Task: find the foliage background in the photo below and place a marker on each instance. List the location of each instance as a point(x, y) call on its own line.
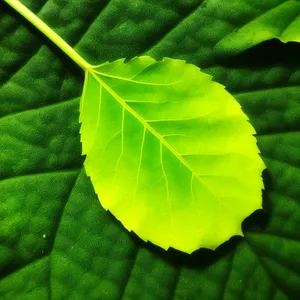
point(56, 242)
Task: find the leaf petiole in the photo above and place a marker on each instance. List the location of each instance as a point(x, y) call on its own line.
point(48, 32)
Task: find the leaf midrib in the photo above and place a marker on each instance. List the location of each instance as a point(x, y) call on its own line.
point(150, 128)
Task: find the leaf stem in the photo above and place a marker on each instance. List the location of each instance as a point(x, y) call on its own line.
point(48, 32)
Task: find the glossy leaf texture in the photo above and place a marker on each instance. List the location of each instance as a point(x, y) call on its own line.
point(170, 152)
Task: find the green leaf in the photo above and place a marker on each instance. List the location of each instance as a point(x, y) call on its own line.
point(262, 21)
point(169, 152)
point(87, 254)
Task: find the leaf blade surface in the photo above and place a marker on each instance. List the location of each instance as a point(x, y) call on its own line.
point(164, 147)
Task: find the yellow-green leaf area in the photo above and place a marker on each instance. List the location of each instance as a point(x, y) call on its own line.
point(170, 153)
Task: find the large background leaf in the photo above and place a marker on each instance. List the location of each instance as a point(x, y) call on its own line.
point(85, 253)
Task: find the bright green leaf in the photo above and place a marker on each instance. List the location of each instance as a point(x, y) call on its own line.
point(169, 152)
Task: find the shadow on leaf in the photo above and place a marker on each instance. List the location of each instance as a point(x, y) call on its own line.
point(260, 218)
point(264, 55)
point(203, 257)
point(199, 259)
